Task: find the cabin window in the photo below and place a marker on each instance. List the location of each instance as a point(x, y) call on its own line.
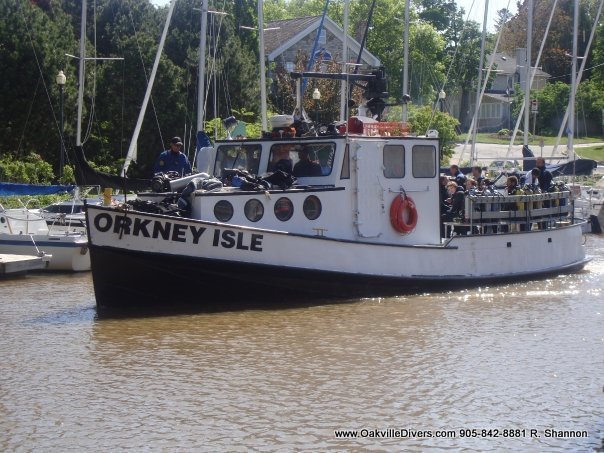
point(318, 158)
point(240, 157)
point(394, 161)
point(223, 211)
point(423, 160)
point(284, 209)
point(346, 164)
point(253, 209)
point(312, 207)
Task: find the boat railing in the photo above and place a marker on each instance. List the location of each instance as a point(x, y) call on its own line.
point(548, 209)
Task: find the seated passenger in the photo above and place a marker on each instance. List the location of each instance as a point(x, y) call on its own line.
point(455, 206)
point(305, 166)
point(280, 159)
point(457, 175)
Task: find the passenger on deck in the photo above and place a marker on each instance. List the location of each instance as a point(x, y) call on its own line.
point(305, 166)
point(442, 188)
point(513, 188)
point(281, 159)
point(457, 175)
point(471, 185)
point(545, 177)
point(532, 179)
point(477, 174)
point(173, 160)
point(456, 204)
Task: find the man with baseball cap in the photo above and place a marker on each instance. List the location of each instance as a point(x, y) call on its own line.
point(173, 160)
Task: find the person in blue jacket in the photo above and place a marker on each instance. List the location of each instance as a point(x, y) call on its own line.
point(173, 160)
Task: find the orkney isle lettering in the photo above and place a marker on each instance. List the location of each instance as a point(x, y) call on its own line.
point(177, 232)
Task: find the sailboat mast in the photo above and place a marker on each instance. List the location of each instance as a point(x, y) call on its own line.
point(344, 90)
point(133, 143)
point(202, 66)
point(527, 87)
point(406, 61)
point(479, 83)
point(81, 74)
point(262, 65)
point(571, 113)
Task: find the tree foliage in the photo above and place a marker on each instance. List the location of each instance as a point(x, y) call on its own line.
point(37, 36)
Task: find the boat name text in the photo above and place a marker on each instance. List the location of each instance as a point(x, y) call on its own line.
point(170, 231)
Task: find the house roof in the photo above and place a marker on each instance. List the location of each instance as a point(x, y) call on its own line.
point(291, 31)
point(508, 65)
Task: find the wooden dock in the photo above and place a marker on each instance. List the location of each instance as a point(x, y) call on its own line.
point(18, 264)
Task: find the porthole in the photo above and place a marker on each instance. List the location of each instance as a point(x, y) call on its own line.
point(254, 210)
point(284, 209)
point(223, 211)
point(312, 207)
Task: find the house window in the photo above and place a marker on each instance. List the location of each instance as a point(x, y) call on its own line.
point(490, 111)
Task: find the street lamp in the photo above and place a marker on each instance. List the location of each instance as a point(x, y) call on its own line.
point(316, 95)
point(61, 79)
point(441, 98)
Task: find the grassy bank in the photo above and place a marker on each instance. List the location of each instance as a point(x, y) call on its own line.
point(592, 152)
point(533, 140)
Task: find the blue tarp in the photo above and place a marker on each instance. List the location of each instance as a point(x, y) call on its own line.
point(10, 188)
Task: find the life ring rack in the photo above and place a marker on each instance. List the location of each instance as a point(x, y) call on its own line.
point(403, 214)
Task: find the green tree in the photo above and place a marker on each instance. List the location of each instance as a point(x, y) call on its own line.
point(32, 46)
point(423, 118)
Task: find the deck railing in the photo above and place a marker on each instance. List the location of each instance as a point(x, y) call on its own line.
point(547, 210)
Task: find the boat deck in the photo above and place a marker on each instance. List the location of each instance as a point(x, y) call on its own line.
point(17, 264)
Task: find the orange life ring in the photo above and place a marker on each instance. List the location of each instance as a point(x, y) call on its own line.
point(403, 214)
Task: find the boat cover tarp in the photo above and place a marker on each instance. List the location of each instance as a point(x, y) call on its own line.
point(87, 176)
point(577, 167)
point(8, 189)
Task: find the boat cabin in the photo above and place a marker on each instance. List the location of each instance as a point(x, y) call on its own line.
point(345, 187)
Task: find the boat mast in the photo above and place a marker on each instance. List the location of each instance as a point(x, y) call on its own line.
point(571, 113)
point(527, 87)
point(132, 148)
point(202, 66)
point(344, 90)
point(406, 61)
point(262, 64)
point(81, 74)
point(479, 83)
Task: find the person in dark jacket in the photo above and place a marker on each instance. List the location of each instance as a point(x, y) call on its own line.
point(173, 160)
point(305, 166)
point(545, 177)
point(456, 205)
point(457, 175)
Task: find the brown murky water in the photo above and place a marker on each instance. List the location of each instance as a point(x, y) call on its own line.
point(527, 356)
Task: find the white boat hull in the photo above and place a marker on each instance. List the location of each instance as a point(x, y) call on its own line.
point(68, 252)
point(156, 259)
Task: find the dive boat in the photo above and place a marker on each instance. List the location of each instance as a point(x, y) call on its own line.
point(24, 232)
point(351, 210)
point(362, 220)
